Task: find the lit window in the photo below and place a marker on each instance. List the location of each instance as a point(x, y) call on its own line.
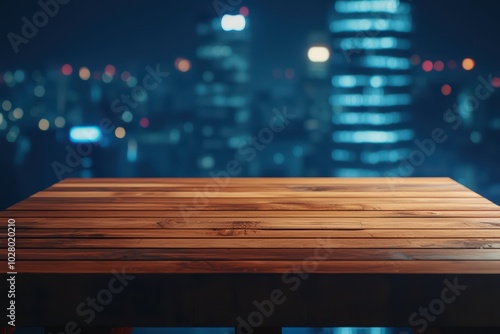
point(233, 22)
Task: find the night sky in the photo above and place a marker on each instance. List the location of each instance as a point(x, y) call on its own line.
point(96, 32)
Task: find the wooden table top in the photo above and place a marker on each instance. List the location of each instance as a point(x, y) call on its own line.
point(256, 225)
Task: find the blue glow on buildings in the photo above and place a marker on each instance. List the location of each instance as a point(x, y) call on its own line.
point(132, 150)
point(373, 136)
point(85, 134)
point(372, 24)
point(388, 6)
point(365, 118)
point(374, 43)
point(371, 95)
point(361, 100)
point(392, 63)
point(374, 81)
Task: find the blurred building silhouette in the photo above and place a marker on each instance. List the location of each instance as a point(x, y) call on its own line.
point(318, 112)
point(371, 86)
point(223, 96)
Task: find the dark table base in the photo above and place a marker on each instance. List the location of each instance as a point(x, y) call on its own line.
point(257, 301)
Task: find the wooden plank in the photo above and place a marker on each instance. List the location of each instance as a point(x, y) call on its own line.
point(423, 225)
point(328, 241)
point(208, 190)
point(265, 180)
point(89, 216)
point(258, 223)
point(256, 200)
point(214, 187)
point(276, 267)
point(252, 183)
point(353, 206)
point(254, 194)
point(269, 254)
point(236, 204)
point(229, 233)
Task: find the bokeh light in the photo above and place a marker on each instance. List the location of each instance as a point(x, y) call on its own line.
point(43, 124)
point(233, 22)
point(468, 64)
point(476, 137)
point(19, 76)
point(106, 78)
point(39, 91)
point(415, 60)
point(131, 81)
point(427, 66)
point(144, 122)
point(8, 77)
point(84, 73)
point(439, 66)
point(318, 54)
point(446, 90)
point(12, 134)
point(182, 64)
point(495, 82)
point(60, 122)
point(120, 132)
point(244, 11)
point(110, 70)
point(85, 134)
point(18, 113)
point(67, 69)
point(6, 105)
point(127, 116)
point(125, 75)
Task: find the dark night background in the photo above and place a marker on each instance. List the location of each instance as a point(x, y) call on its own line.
point(132, 35)
point(170, 134)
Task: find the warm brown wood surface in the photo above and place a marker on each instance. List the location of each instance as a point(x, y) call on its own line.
point(265, 225)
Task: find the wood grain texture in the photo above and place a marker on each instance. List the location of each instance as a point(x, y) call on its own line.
point(256, 225)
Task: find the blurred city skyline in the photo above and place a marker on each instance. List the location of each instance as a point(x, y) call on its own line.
point(223, 87)
point(97, 33)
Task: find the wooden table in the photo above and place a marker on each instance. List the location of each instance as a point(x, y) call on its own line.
point(383, 246)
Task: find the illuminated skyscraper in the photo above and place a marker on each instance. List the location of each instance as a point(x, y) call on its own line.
point(371, 86)
point(222, 93)
point(317, 89)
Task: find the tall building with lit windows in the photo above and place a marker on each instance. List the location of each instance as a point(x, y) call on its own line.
point(371, 80)
point(222, 92)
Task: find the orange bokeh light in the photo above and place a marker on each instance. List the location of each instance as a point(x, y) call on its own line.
point(182, 64)
point(84, 73)
point(468, 64)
